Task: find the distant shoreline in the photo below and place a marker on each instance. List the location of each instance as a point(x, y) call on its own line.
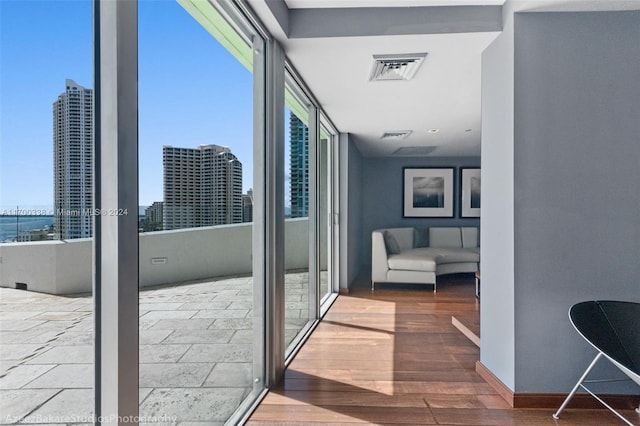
point(27, 215)
point(12, 226)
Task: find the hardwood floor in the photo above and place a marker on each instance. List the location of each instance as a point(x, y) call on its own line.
point(393, 357)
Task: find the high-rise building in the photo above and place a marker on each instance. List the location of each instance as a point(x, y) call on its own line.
point(153, 213)
point(247, 206)
point(152, 218)
point(299, 162)
point(202, 187)
point(73, 161)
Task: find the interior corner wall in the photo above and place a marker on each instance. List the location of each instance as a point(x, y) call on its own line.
point(356, 186)
point(350, 164)
point(497, 321)
point(382, 192)
point(577, 181)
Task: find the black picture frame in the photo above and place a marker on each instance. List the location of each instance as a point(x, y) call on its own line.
point(428, 192)
point(470, 192)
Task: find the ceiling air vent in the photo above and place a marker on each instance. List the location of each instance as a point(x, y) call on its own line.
point(395, 135)
point(414, 151)
point(396, 67)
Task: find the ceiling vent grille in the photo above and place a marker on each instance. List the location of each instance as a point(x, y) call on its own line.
point(396, 67)
point(395, 135)
point(414, 151)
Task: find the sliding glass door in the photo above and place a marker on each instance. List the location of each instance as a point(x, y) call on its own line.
point(47, 216)
point(297, 277)
point(198, 356)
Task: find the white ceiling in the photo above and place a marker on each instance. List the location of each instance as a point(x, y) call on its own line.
point(317, 4)
point(444, 94)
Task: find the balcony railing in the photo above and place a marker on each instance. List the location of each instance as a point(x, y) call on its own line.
point(166, 257)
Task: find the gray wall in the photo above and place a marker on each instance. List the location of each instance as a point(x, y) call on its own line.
point(382, 196)
point(350, 208)
point(355, 187)
point(577, 182)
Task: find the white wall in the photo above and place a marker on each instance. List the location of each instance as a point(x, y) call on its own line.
point(65, 267)
point(56, 267)
point(497, 326)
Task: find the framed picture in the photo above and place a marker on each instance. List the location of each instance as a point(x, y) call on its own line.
point(469, 192)
point(428, 192)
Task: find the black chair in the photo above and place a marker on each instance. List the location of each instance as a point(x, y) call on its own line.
point(613, 329)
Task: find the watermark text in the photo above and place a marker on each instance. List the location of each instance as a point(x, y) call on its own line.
point(64, 212)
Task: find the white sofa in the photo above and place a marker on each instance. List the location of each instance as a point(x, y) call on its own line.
point(398, 255)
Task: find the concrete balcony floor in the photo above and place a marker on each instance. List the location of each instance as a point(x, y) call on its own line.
point(196, 352)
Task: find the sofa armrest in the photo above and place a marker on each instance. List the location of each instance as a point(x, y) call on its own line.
point(379, 264)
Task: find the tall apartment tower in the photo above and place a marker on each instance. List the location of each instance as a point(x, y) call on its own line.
point(202, 187)
point(247, 206)
point(299, 161)
point(73, 161)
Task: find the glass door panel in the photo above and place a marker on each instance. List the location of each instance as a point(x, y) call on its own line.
point(296, 217)
point(46, 181)
point(196, 299)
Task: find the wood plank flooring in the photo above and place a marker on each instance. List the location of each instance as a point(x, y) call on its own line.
point(393, 357)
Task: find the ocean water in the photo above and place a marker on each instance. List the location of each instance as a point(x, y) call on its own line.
point(25, 224)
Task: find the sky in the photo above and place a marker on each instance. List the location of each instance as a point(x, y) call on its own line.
point(191, 91)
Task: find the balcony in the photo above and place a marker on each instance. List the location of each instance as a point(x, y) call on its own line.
point(166, 257)
point(195, 324)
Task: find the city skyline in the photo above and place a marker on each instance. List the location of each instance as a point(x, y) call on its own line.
point(214, 108)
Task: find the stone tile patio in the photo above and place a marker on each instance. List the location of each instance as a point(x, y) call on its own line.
point(196, 352)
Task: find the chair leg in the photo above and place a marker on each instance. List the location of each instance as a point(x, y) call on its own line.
point(373, 286)
point(601, 401)
point(577, 386)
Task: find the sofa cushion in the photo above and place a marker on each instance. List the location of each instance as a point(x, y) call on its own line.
point(474, 250)
point(457, 256)
point(391, 243)
point(419, 259)
point(469, 237)
point(445, 237)
point(404, 237)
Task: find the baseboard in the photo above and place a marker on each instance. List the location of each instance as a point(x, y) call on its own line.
point(502, 389)
point(343, 291)
point(553, 400)
point(580, 400)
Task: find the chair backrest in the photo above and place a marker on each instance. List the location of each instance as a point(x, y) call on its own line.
point(613, 328)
